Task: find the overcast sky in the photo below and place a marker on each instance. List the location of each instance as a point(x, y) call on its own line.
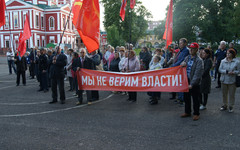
point(156, 7)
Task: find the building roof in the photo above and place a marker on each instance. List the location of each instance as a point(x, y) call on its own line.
point(41, 6)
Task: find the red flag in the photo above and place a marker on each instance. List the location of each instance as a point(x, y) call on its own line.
point(2, 13)
point(88, 24)
point(26, 30)
point(132, 3)
point(76, 7)
point(21, 45)
point(123, 9)
point(169, 25)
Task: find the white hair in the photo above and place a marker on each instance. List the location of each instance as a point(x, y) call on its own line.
point(223, 42)
point(83, 49)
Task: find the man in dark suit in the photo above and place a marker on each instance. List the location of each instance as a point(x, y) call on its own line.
point(58, 63)
point(86, 63)
point(21, 64)
point(43, 66)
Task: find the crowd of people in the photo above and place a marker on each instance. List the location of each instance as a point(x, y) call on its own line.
point(51, 67)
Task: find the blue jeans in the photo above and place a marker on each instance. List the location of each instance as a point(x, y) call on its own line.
point(181, 96)
point(10, 66)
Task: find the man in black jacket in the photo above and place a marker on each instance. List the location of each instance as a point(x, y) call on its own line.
point(58, 64)
point(96, 62)
point(86, 63)
point(43, 66)
point(21, 64)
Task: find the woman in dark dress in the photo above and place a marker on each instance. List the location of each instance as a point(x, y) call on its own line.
point(205, 86)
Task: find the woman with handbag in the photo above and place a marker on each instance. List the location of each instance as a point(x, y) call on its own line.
point(229, 68)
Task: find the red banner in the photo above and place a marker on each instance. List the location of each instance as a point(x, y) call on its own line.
point(165, 80)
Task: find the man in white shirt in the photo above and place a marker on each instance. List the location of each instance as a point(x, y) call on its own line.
point(10, 57)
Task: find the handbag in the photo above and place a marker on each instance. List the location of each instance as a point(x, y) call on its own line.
point(238, 80)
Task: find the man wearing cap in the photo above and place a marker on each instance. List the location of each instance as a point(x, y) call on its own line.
point(194, 66)
point(218, 57)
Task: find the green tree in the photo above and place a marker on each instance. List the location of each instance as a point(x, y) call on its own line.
point(209, 20)
point(137, 18)
point(113, 36)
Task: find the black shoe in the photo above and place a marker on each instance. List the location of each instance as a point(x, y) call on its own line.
point(62, 102)
point(128, 99)
point(132, 101)
point(95, 99)
point(154, 102)
point(17, 85)
point(40, 90)
point(52, 102)
point(45, 91)
point(218, 86)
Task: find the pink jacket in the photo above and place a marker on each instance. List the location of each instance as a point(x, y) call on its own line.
point(134, 64)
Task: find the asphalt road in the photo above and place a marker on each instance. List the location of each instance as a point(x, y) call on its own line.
point(28, 122)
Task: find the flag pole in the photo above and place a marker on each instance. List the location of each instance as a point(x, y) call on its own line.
point(65, 27)
point(130, 34)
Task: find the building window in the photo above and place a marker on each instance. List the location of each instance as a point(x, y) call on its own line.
point(38, 43)
point(64, 22)
point(24, 17)
point(69, 25)
point(7, 44)
point(7, 22)
point(52, 41)
point(37, 21)
point(51, 23)
point(42, 22)
point(27, 43)
point(15, 20)
point(43, 43)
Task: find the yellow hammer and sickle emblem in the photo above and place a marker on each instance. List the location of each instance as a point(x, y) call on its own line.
point(78, 3)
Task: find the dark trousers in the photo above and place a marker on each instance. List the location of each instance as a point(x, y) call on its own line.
point(75, 84)
point(95, 95)
point(23, 73)
point(10, 66)
point(32, 70)
point(80, 96)
point(154, 94)
point(60, 83)
point(71, 82)
point(218, 74)
point(132, 96)
point(174, 94)
point(43, 80)
point(204, 97)
point(194, 93)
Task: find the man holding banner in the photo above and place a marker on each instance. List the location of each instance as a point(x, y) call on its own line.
point(194, 66)
point(86, 63)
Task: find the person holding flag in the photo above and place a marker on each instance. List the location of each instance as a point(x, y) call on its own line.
point(88, 23)
point(21, 64)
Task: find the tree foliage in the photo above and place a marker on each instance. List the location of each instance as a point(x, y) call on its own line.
point(137, 18)
point(205, 20)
